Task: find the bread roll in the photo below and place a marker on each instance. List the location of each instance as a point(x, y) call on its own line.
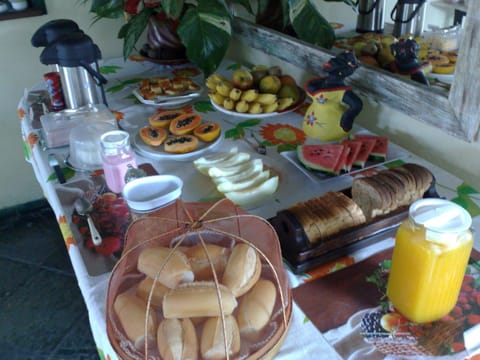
point(212, 343)
point(143, 291)
point(201, 265)
point(197, 299)
point(243, 269)
point(176, 270)
point(177, 340)
point(256, 307)
point(131, 312)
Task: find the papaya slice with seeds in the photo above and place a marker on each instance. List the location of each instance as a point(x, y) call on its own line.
point(163, 118)
point(181, 144)
point(153, 136)
point(208, 131)
point(185, 124)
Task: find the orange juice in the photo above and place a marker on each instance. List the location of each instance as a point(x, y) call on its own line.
point(431, 253)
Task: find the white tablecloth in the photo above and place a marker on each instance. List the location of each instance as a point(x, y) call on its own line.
point(303, 341)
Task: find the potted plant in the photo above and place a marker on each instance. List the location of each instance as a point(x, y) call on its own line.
point(203, 27)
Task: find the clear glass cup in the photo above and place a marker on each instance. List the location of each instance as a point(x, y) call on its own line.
point(117, 155)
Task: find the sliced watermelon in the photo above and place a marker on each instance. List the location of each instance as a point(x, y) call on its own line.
point(354, 146)
point(340, 166)
point(320, 157)
point(365, 150)
point(379, 151)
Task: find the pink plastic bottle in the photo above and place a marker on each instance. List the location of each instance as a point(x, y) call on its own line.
point(117, 154)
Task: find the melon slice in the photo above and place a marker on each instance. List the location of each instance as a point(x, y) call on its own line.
point(341, 161)
point(379, 151)
point(322, 157)
point(233, 160)
point(255, 179)
point(234, 169)
point(354, 146)
point(365, 150)
point(254, 195)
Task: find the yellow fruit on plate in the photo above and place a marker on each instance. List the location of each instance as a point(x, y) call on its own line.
point(444, 69)
point(216, 97)
point(230, 161)
point(271, 108)
point(255, 108)
point(235, 94)
point(255, 194)
point(224, 88)
point(249, 95)
point(266, 99)
point(284, 103)
point(228, 103)
point(241, 106)
point(270, 84)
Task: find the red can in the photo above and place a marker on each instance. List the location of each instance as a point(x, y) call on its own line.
point(54, 87)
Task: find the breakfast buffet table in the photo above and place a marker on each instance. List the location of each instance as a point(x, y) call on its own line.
point(304, 340)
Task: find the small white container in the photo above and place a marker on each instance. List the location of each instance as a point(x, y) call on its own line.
point(149, 193)
point(19, 5)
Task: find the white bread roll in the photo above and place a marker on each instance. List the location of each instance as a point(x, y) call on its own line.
point(243, 269)
point(131, 312)
point(197, 299)
point(212, 344)
point(143, 291)
point(200, 263)
point(256, 308)
point(177, 340)
point(175, 271)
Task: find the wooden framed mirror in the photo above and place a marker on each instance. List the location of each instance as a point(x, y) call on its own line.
point(456, 112)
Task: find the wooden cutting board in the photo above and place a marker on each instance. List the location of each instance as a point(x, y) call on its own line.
point(330, 300)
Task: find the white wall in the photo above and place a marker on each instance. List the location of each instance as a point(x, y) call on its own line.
point(21, 68)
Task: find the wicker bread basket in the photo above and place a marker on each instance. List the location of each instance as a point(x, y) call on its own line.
point(182, 225)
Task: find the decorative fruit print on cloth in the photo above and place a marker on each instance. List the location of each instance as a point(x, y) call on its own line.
point(189, 72)
point(111, 216)
point(392, 334)
point(282, 134)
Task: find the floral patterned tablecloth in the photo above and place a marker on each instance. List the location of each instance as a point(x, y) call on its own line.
point(279, 133)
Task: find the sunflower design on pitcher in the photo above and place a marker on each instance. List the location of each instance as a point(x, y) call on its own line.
point(334, 104)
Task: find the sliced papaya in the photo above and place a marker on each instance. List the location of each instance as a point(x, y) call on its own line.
point(181, 144)
point(208, 131)
point(184, 123)
point(163, 118)
point(153, 136)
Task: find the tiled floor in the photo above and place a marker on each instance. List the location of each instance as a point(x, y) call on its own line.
point(42, 312)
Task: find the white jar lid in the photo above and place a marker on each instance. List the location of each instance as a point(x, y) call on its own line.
point(443, 219)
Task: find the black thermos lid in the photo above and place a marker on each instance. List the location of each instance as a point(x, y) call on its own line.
point(52, 31)
point(71, 50)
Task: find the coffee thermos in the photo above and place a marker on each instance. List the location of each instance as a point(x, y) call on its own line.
point(371, 16)
point(75, 57)
point(408, 17)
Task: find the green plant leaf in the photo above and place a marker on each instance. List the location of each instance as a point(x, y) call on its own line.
point(465, 189)
point(249, 123)
point(206, 31)
point(232, 133)
point(468, 204)
point(351, 3)
point(131, 31)
point(310, 25)
point(111, 9)
point(245, 4)
point(172, 8)
point(204, 106)
point(286, 147)
point(109, 69)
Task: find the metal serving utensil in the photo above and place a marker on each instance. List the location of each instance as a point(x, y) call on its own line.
point(84, 208)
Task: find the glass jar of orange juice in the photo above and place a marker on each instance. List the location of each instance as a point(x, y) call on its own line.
point(432, 248)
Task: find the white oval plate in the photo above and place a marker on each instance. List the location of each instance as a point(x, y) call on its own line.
point(151, 192)
point(167, 101)
point(158, 152)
